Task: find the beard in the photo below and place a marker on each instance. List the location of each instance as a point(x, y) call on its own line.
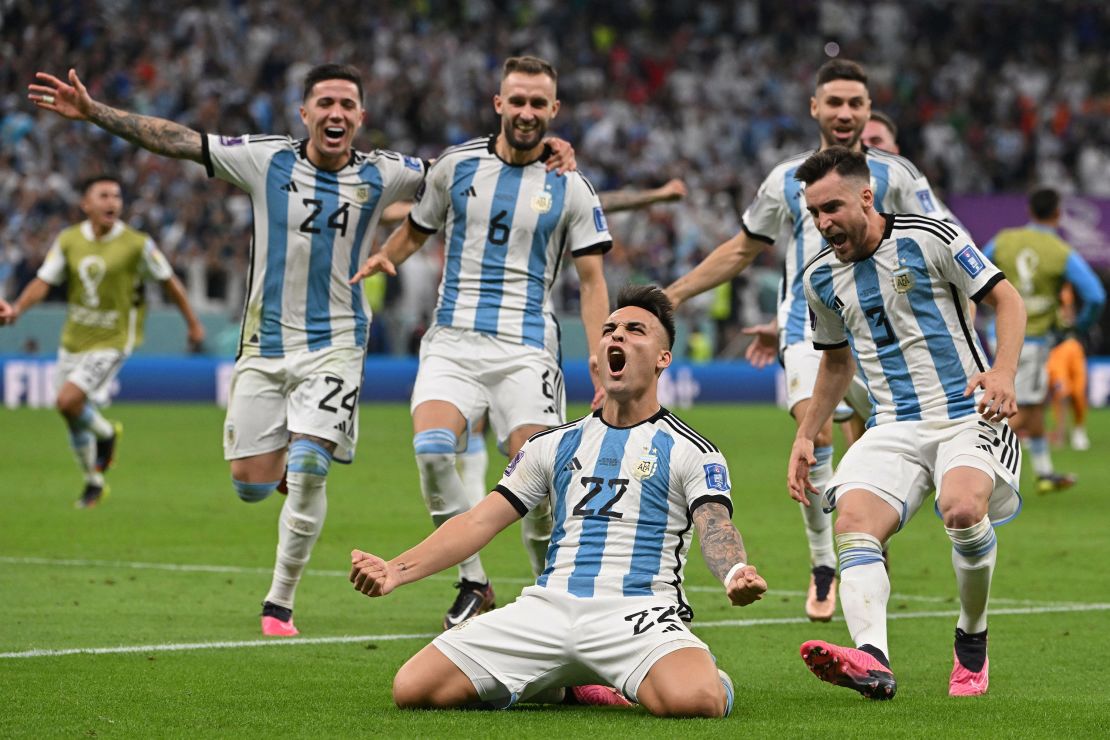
point(833, 140)
point(517, 140)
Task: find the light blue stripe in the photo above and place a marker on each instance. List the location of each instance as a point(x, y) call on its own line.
point(532, 329)
point(279, 173)
point(897, 373)
point(647, 550)
point(306, 456)
point(977, 549)
point(318, 300)
point(796, 321)
point(373, 178)
point(449, 296)
point(938, 335)
point(568, 445)
point(822, 283)
point(435, 442)
point(880, 173)
point(595, 528)
point(846, 564)
point(491, 289)
point(253, 492)
point(80, 438)
point(822, 455)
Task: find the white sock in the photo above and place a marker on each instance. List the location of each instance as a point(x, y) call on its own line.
point(864, 589)
point(443, 489)
point(91, 419)
point(535, 532)
point(84, 450)
point(974, 553)
point(302, 518)
point(1039, 456)
point(819, 529)
point(472, 466)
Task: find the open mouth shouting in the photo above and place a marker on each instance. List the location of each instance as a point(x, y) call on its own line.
point(616, 358)
point(334, 135)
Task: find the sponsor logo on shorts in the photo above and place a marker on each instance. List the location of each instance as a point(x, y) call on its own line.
point(513, 463)
point(229, 434)
point(412, 163)
point(232, 140)
point(716, 477)
point(970, 261)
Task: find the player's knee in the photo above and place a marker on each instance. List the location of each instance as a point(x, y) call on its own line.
point(961, 514)
point(253, 492)
point(69, 405)
point(435, 446)
point(692, 701)
point(409, 692)
point(308, 458)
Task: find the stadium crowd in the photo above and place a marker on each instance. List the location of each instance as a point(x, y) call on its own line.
point(989, 97)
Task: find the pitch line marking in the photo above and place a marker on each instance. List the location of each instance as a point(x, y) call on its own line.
point(294, 641)
point(244, 570)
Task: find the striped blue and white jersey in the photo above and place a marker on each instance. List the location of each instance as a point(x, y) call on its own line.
point(506, 228)
point(903, 310)
point(312, 231)
point(623, 502)
point(778, 216)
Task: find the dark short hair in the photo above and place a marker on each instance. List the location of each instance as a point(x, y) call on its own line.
point(88, 182)
point(842, 160)
point(883, 118)
point(1044, 203)
point(529, 66)
point(652, 299)
point(841, 69)
point(323, 72)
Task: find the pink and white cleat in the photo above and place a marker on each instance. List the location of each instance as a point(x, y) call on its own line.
point(599, 696)
point(965, 683)
point(277, 621)
point(849, 667)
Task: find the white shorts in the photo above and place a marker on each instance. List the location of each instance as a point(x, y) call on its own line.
point(93, 372)
point(473, 372)
point(306, 392)
point(1031, 381)
point(800, 363)
point(903, 461)
point(550, 638)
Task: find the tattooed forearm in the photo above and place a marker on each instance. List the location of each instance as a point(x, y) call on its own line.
point(721, 545)
point(156, 134)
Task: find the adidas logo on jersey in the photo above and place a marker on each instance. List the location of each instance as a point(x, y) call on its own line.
point(573, 465)
point(470, 192)
point(289, 187)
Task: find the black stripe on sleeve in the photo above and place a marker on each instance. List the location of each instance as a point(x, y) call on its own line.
point(724, 501)
point(982, 292)
point(206, 156)
point(754, 235)
point(838, 345)
point(512, 499)
point(599, 248)
point(419, 227)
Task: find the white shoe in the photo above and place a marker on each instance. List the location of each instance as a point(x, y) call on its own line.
point(1079, 439)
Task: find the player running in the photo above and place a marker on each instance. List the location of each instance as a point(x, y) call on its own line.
point(494, 343)
point(841, 105)
point(626, 482)
point(894, 288)
point(103, 263)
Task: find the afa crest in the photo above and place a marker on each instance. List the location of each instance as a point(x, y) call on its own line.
point(362, 193)
point(903, 280)
point(541, 202)
point(647, 466)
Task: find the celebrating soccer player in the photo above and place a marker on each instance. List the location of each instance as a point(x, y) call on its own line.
point(103, 263)
point(895, 288)
point(841, 106)
point(494, 343)
point(625, 482)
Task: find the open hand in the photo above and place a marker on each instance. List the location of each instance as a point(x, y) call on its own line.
point(71, 101)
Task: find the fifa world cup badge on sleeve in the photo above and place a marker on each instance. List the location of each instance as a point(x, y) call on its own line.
point(599, 219)
point(969, 260)
point(716, 477)
point(513, 463)
point(903, 280)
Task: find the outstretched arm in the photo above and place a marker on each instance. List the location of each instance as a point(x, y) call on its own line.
point(176, 292)
point(35, 291)
point(724, 263)
point(722, 548)
point(155, 134)
point(400, 245)
point(457, 539)
point(626, 200)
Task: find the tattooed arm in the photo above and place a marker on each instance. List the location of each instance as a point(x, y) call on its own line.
point(722, 548)
point(156, 134)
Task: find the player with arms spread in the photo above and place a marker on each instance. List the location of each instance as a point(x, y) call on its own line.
point(103, 263)
point(626, 482)
point(841, 105)
point(494, 343)
point(294, 393)
point(892, 291)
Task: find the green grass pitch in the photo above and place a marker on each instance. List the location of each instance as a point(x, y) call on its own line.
point(173, 564)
